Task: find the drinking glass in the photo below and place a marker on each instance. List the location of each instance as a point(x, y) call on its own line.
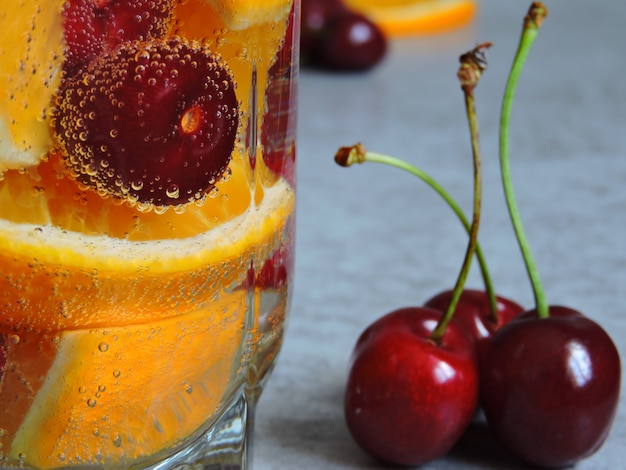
point(147, 195)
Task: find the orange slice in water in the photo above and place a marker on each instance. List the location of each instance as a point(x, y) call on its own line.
point(55, 279)
point(31, 55)
point(239, 14)
point(114, 395)
point(414, 17)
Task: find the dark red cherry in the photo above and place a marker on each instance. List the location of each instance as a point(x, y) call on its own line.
point(315, 18)
point(152, 122)
point(474, 313)
point(352, 42)
point(550, 387)
point(408, 399)
point(278, 131)
point(93, 26)
point(278, 269)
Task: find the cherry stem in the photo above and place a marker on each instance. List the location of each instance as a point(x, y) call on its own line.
point(347, 156)
point(532, 22)
point(473, 64)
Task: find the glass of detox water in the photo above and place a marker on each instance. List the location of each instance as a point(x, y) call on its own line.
point(147, 195)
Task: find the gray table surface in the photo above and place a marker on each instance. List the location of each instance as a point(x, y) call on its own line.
point(371, 238)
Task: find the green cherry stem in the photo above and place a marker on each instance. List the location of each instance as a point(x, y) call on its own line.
point(473, 64)
point(532, 22)
point(347, 156)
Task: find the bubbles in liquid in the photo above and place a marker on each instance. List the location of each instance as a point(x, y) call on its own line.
point(172, 191)
point(103, 347)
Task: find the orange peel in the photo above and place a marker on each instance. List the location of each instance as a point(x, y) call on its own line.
point(416, 17)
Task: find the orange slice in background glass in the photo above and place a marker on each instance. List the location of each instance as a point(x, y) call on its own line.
point(416, 17)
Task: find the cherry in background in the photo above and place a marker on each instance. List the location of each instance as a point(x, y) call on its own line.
point(315, 18)
point(408, 399)
point(337, 38)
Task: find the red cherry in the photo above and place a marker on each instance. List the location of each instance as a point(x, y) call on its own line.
point(93, 26)
point(153, 122)
point(550, 387)
point(408, 399)
point(474, 313)
point(352, 42)
point(278, 269)
point(278, 130)
point(315, 18)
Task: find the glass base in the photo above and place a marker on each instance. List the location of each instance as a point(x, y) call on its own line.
point(226, 446)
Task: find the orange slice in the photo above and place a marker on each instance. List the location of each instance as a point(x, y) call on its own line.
point(413, 17)
point(54, 279)
point(31, 55)
point(113, 396)
point(238, 14)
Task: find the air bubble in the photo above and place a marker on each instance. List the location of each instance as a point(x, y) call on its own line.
point(91, 402)
point(172, 191)
point(103, 347)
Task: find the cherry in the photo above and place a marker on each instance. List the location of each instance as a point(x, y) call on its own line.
point(152, 122)
point(473, 311)
point(278, 269)
point(315, 18)
point(352, 42)
point(412, 389)
point(550, 378)
point(408, 399)
point(93, 26)
point(279, 122)
point(550, 386)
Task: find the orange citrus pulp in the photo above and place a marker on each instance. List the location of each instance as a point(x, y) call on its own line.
point(414, 17)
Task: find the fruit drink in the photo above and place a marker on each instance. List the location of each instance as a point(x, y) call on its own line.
point(147, 202)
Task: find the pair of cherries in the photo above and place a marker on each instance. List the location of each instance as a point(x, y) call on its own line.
point(549, 387)
point(335, 37)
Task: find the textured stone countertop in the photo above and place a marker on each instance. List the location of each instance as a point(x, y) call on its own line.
point(372, 238)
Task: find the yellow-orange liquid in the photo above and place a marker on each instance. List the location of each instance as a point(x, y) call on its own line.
point(125, 330)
